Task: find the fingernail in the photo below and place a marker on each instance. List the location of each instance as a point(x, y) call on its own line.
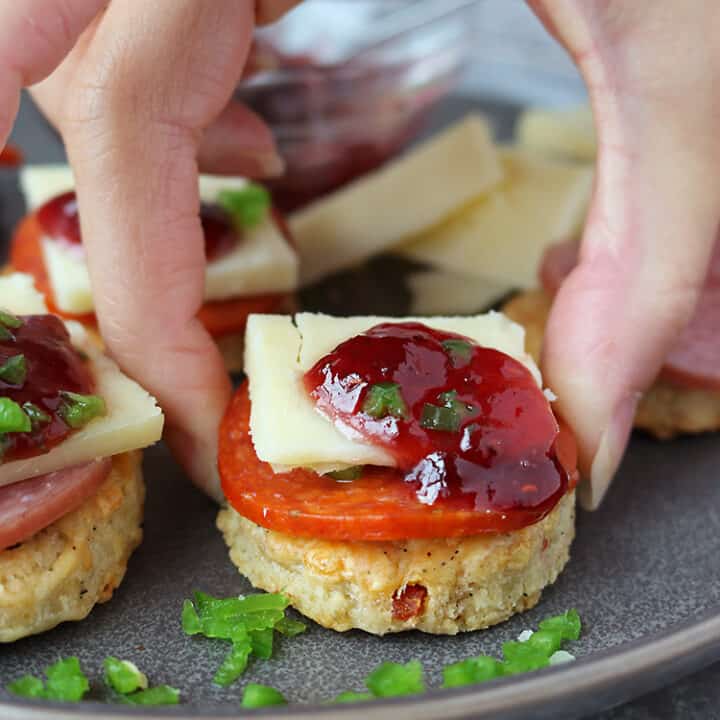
point(198, 460)
point(270, 164)
point(609, 453)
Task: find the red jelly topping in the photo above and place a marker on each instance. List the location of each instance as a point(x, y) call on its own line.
point(220, 233)
point(59, 219)
point(53, 365)
point(473, 428)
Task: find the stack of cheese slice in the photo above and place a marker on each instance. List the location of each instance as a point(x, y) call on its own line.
point(286, 428)
point(133, 419)
point(478, 215)
point(381, 210)
point(503, 235)
point(261, 263)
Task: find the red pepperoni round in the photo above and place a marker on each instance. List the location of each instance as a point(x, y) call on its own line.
point(377, 506)
point(30, 506)
point(227, 317)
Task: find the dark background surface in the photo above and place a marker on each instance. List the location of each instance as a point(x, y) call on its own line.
point(648, 559)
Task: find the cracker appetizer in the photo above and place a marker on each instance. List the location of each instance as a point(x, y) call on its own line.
point(394, 474)
point(685, 397)
point(251, 264)
point(72, 427)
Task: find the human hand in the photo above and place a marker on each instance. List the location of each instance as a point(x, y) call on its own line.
point(139, 91)
point(652, 72)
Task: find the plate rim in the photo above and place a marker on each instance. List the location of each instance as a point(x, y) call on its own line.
point(647, 661)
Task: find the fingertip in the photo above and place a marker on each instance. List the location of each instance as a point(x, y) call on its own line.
point(198, 456)
point(583, 363)
point(610, 450)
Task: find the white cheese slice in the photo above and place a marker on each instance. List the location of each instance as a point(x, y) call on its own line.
point(568, 133)
point(18, 295)
point(287, 430)
point(133, 419)
point(262, 263)
point(40, 183)
point(403, 198)
point(436, 292)
point(504, 235)
point(68, 274)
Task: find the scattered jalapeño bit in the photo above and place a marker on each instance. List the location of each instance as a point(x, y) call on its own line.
point(348, 474)
point(14, 370)
point(467, 425)
point(248, 205)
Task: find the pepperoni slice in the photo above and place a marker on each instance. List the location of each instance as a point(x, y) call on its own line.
point(220, 318)
point(377, 506)
point(227, 317)
point(694, 359)
point(10, 156)
point(30, 506)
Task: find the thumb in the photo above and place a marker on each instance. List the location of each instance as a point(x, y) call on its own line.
point(649, 234)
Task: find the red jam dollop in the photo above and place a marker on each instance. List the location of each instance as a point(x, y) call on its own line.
point(59, 218)
point(466, 424)
point(53, 366)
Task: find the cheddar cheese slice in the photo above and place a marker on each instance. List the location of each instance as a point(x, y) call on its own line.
point(287, 430)
point(133, 418)
point(504, 235)
point(403, 198)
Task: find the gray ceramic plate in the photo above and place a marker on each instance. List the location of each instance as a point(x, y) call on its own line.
point(644, 575)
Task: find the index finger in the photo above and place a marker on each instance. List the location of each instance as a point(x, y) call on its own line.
point(35, 35)
point(154, 76)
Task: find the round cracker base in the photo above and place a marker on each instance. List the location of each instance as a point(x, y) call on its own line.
point(471, 582)
point(61, 572)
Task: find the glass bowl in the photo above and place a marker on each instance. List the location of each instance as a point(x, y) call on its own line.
point(345, 85)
